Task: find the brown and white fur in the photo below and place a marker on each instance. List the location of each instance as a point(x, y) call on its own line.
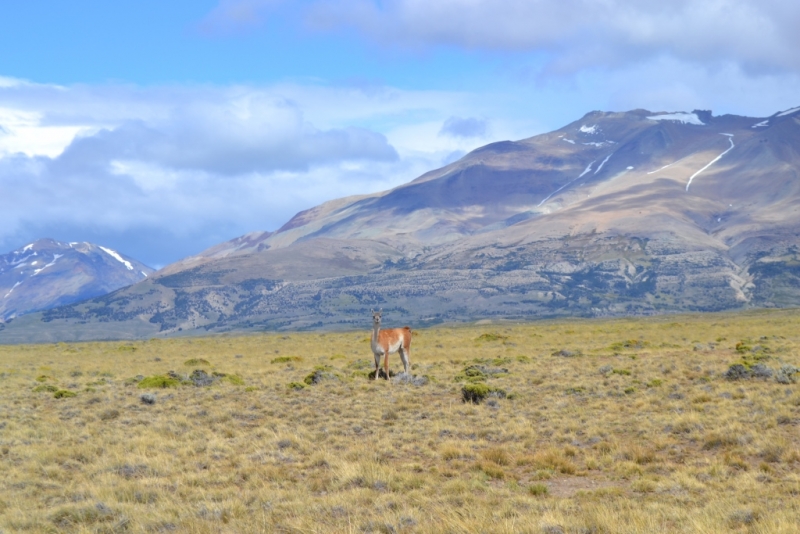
point(385, 342)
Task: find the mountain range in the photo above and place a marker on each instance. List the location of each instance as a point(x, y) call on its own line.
point(46, 274)
point(617, 213)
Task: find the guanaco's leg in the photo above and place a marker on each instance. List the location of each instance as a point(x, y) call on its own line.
point(386, 364)
point(404, 357)
point(377, 364)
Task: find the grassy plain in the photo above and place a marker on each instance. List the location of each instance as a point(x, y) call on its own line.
point(608, 426)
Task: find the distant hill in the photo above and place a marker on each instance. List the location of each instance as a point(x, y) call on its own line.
point(636, 212)
point(47, 273)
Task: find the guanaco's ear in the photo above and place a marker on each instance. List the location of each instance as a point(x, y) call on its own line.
point(372, 311)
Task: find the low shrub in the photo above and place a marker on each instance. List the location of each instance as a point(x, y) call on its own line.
point(158, 381)
point(108, 415)
point(491, 336)
point(64, 393)
point(476, 392)
point(286, 359)
point(193, 362)
point(564, 353)
point(319, 374)
point(49, 388)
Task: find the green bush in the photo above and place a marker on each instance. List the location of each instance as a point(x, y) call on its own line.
point(287, 359)
point(474, 392)
point(158, 381)
point(50, 388)
point(64, 393)
point(194, 362)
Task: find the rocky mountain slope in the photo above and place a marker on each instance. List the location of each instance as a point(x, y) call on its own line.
point(47, 273)
point(617, 213)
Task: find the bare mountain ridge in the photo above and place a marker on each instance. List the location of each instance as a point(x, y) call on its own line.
point(48, 273)
point(616, 213)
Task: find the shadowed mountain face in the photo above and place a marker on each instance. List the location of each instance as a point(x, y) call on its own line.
point(46, 274)
point(617, 213)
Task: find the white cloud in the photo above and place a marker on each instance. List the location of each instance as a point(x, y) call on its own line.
point(756, 34)
point(189, 161)
point(464, 127)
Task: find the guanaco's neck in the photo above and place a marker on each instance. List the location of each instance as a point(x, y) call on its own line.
point(376, 327)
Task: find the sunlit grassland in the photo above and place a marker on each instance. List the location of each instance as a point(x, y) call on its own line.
point(608, 426)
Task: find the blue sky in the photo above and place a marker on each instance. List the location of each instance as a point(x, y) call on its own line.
point(162, 128)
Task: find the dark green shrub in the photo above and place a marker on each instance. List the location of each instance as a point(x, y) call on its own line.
point(475, 392)
point(64, 393)
point(49, 388)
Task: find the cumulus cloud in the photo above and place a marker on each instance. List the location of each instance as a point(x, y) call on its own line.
point(759, 35)
point(194, 165)
point(460, 127)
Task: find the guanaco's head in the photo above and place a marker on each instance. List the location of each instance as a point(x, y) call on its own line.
point(376, 317)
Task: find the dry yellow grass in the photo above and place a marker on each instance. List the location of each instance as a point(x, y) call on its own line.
point(630, 427)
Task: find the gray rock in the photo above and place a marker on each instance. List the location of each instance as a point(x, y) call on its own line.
point(406, 378)
point(200, 378)
point(148, 398)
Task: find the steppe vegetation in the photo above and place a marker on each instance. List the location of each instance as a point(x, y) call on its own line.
point(584, 426)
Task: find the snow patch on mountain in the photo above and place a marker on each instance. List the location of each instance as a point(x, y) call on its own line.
point(589, 168)
point(761, 124)
point(788, 112)
point(117, 257)
point(713, 161)
point(684, 118)
point(55, 258)
point(589, 129)
point(661, 169)
point(603, 163)
point(12, 289)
